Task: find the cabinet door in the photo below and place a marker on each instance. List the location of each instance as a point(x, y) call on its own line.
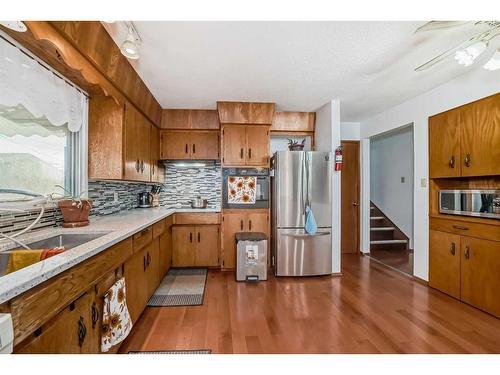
point(204, 119)
point(175, 144)
point(153, 266)
point(145, 147)
point(231, 224)
point(444, 144)
point(157, 170)
point(135, 279)
point(233, 145)
point(480, 137)
point(207, 245)
point(444, 262)
point(205, 145)
point(64, 333)
point(480, 266)
point(184, 246)
point(176, 119)
point(166, 249)
point(132, 145)
point(257, 146)
point(257, 222)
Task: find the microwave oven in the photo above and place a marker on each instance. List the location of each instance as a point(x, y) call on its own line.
point(479, 203)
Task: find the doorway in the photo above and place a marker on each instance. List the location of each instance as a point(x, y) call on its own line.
point(350, 187)
point(391, 198)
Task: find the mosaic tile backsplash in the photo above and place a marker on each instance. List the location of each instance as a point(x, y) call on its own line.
point(182, 184)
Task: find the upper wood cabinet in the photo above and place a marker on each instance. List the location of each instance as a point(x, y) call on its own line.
point(246, 113)
point(200, 119)
point(245, 145)
point(192, 144)
point(123, 143)
point(294, 122)
point(465, 141)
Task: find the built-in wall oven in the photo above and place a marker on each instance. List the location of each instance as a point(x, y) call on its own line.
point(245, 188)
point(481, 203)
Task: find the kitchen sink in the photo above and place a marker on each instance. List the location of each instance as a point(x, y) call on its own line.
point(66, 240)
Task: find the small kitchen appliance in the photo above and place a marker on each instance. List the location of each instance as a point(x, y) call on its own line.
point(145, 199)
point(199, 202)
point(245, 188)
point(479, 203)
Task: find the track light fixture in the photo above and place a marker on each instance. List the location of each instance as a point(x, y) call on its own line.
point(130, 47)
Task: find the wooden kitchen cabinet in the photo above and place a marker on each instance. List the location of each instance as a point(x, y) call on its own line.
point(245, 113)
point(444, 144)
point(166, 248)
point(294, 122)
point(245, 145)
point(136, 146)
point(444, 262)
point(184, 246)
point(136, 284)
point(157, 169)
point(152, 267)
point(465, 141)
point(234, 221)
point(182, 145)
point(195, 245)
point(480, 273)
point(67, 332)
point(200, 119)
point(480, 137)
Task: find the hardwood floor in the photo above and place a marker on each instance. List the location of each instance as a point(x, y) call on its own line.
point(370, 309)
point(400, 259)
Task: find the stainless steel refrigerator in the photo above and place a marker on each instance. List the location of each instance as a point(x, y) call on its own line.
point(300, 179)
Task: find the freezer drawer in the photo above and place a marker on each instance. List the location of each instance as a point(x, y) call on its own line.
point(300, 254)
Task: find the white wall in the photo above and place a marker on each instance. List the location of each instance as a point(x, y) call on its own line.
point(464, 89)
point(391, 159)
point(350, 131)
point(327, 137)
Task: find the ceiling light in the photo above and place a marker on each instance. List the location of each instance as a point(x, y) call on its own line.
point(494, 62)
point(15, 25)
point(467, 56)
point(130, 47)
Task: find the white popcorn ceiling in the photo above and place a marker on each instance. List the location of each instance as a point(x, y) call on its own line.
point(369, 66)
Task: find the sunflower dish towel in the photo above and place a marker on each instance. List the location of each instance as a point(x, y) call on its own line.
point(116, 322)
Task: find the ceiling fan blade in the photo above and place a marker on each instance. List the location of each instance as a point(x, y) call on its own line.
point(444, 55)
point(436, 25)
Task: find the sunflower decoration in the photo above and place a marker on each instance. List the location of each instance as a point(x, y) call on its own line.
point(239, 185)
point(251, 184)
point(232, 179)
point(245, 198)
point(232, 192)
point(120, 296)
point(116, 322)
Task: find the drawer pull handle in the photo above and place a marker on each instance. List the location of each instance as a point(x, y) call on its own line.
point(249, 224)
point(82, 331)
point(249, 153)
point(95, 315)
point(241, 224)
point(144, 262)
point(467, 252)
point(199, 237)
point(186, 149)
point(190, 237)
point(241, 153)
point(452, 162)
point(194, 148)
point(467, 160)
point(460, 227)
point(452, 248)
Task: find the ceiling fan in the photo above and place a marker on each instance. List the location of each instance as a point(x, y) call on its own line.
point(468, 51)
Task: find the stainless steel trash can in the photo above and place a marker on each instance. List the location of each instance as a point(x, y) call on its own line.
point(251, 256)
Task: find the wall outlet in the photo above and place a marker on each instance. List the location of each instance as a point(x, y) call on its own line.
point(402, 180)
point(115, 196)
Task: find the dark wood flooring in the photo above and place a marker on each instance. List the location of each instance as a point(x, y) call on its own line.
point(370, 309)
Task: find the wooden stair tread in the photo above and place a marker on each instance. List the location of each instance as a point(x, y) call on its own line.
point(376, 217)
point(377, 229)
point(384, 242)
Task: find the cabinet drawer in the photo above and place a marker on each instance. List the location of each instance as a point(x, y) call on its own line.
point(142, 238)
point(486, 231)
point(159, 228)
point(197, 218)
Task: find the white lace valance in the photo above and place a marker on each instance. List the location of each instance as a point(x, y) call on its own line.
point(24, 81)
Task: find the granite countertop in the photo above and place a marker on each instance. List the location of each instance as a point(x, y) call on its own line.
point(114, 228)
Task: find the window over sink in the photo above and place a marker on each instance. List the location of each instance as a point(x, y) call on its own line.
point(43, 125)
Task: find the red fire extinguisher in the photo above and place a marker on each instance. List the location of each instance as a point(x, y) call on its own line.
point(338, 158)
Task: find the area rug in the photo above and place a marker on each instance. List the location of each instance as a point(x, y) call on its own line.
point(199, 351)
point(181, 287)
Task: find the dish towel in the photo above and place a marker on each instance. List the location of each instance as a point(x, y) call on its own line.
point(116, 322)
point(311, 227)
point(20, 259)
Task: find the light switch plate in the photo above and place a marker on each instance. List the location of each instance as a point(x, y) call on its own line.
point(402, 180)
point(423, 182)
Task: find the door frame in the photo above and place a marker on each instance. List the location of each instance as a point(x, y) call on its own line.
point(358, 194)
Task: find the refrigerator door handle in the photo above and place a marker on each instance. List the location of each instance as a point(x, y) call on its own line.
point(303, 235)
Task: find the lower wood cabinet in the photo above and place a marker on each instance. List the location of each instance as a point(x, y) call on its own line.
point(466, 268)
point(195, 245)
point(165, 248)
point(136, 281)
point(70, 331)
point(234, 221)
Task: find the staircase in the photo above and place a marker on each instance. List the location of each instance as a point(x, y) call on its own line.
point(384, 235)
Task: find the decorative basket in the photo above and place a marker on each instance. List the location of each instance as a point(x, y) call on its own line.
point(75, 212)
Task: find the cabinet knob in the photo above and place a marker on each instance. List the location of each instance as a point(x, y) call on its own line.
point(137, 165)
point(452, 162)
point(241, 224)
point(95, 314)
point(467, 252)
point(186, 149)
point(249, 224)
point(190, 237)
point(153, 169)
point(82, 331)
point(249, 153)
point(467, 160)
point(452, 248)
point(241, 153)
point(199, 236)
point(194, 148)
point(142, 166)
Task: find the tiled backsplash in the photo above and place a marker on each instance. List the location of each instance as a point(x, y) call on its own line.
point(182, 184)
point(185, 183)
